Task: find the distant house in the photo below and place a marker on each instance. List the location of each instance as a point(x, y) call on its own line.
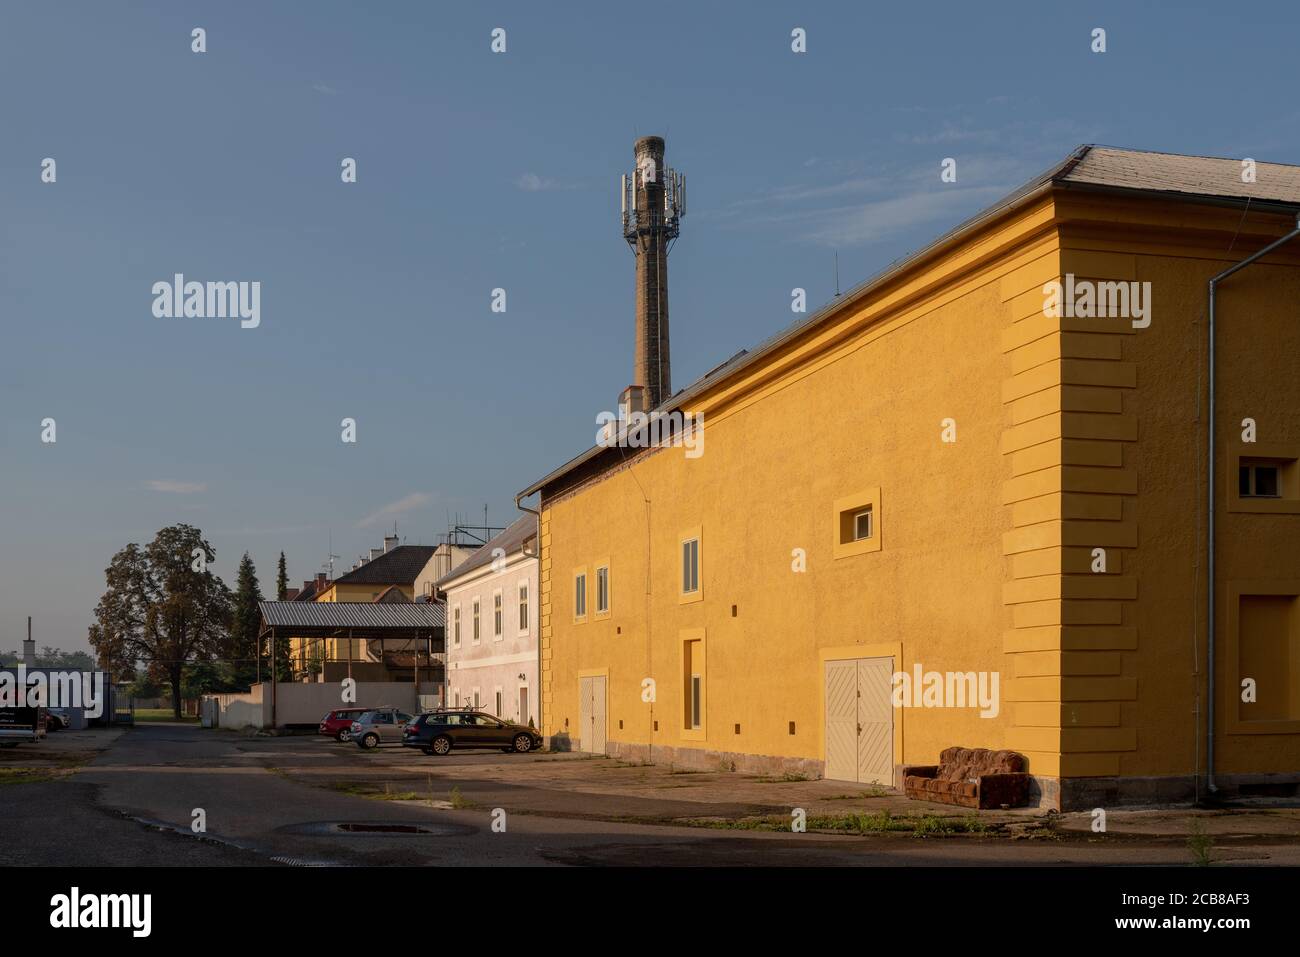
point(387, 574)
point(492, 625)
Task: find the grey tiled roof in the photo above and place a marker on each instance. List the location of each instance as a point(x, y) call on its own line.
point(1189, 175)
point(397, 566)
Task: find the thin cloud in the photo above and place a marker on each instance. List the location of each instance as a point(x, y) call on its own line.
point(177, 488)
point(532, 183)
point(324, 88)
point(394, 509)
point(873, 222)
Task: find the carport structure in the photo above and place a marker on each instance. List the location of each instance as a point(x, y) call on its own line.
point(420, 626)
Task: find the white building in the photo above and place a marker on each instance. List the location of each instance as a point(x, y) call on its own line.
point(491, 602)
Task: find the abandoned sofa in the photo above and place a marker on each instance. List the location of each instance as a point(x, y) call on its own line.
point(970, 777)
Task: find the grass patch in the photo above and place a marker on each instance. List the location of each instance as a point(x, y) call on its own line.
point(871, 792)
point(880, 822)
point(28, 775)
point(787, 778)
point(373, 792)
point(685, 771)
point(458, 800)
point(162, 714)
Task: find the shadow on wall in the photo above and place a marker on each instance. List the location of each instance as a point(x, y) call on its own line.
point(560, 742)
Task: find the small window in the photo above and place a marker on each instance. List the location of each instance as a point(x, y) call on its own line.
point(523, 606)
point(580, 596)
point(455, 625)
point(602, 590)
point(857, 524)
point(1257, 481)
point(476, 620)
point(690, 566)
point(695, 701)
point(862, 524)
point(498, 614)
point(500, 704)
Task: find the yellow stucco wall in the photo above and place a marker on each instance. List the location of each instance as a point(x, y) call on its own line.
point(1072, 434)
point(859, 407)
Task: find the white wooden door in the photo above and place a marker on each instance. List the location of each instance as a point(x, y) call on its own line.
point(592, 714)
point(875, 721)
point(860, 720)
point(598, 722)
point(584, 714)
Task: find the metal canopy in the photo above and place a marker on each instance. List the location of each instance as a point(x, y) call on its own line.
point(362, 618)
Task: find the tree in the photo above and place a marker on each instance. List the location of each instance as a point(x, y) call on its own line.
point(162, 606)
point(243, 650)
point(281, 581)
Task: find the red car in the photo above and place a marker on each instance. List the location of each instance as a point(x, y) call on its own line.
point(338, 724)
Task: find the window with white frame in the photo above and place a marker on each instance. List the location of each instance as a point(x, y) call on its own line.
point(602, 590)
point(580, 595)
point(476, 620)
point(455, 625)
point(523, 607)
point(498, 616)
point(690, 566)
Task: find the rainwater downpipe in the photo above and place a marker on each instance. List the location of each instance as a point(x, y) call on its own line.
point(537, 692)
point(1209, 505)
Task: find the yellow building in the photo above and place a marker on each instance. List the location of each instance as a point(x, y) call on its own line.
point(956, 470)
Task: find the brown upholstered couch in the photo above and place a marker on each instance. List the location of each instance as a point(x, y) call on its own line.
point(970, 777)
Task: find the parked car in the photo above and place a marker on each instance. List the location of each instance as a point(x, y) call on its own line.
point(338, 723)
point(21, 725)
point(437, 732)
point(56, 719)
point(382, 725)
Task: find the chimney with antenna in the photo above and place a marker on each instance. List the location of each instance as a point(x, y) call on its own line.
point(653, 204)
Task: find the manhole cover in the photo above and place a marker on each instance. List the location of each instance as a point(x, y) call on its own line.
point(384, 829)
point(377, 828)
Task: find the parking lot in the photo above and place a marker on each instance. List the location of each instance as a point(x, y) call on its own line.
point(109, 797)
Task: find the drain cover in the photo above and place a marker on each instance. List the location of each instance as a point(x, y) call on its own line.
point(384, 829)
point(377, 828)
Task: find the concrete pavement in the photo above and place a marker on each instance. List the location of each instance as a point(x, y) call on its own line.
point(297, 800)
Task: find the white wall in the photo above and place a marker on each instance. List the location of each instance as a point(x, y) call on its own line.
point(494, 663)
point(307, 703)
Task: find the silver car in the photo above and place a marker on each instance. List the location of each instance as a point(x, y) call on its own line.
point(380, 726)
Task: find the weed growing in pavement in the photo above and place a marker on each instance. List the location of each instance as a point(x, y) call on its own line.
point(1200, 844)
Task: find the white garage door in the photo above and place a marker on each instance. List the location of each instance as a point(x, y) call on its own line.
point(860, 720)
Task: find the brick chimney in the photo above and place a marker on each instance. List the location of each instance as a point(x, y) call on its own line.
point(651, 369)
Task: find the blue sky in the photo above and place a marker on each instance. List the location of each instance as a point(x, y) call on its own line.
point(479, 170)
